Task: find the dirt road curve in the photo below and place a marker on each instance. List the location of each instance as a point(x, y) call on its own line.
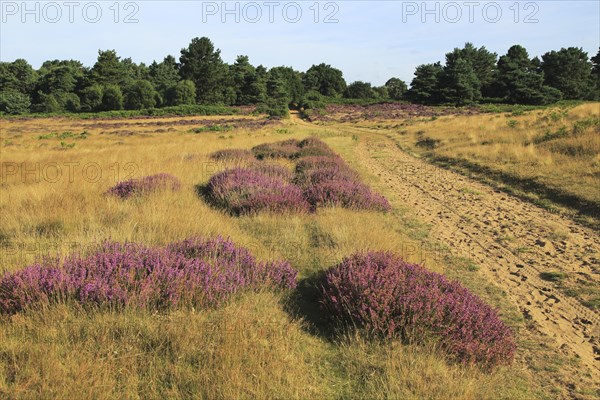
point(474, 220)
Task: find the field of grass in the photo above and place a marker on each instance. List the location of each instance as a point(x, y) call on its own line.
point(55, 173)
point(550, 155)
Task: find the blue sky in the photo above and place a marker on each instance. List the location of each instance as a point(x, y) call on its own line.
point(371, 40)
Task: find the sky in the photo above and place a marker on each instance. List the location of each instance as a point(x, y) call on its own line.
point(368, 40)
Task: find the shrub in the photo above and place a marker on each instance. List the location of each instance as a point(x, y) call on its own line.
point(232, 154)
point(182, 92)
point(213, 128)
point(151, 183)
point(273, 170)
point(345, 193)
point(139, 94)
point(13, 102)
point(389, 298)
point(328, 180)
point(112, 98)
point(323, 177)
point(196, 272)
point(247, 191)
point(230, 258)
point(316, 169)
point(284, 149)
point(313, 146)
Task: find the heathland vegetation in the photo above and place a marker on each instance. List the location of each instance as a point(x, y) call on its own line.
point(200, 77)
point(241, 256)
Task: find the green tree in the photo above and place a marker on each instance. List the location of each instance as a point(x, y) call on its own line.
point(58, 82)
point(91, 98)
point(182, 92)
point(396, 88)
point(248, 86)
point(324, 79)
point(424, 86)
point(458, 82)
point(293, 82)
point(60, 76)
point(14, 102)
point(112, 98)
point(109, 70)
point(482, 61)
point(278, 97)
point(568, 70)
point(596, 77)
point(17, 76)
point(359, 90)
point(381, 92)
point(47, 103)
point(134, 71)
point(518, 79)
point(201, 63)
point(164, 75)
point(139, 94)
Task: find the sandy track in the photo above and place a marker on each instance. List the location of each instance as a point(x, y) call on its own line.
point(472, 219)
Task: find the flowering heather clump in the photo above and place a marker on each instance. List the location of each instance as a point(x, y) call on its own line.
point(273, 170)
point(146, 184)
point(229, 257)
point(292, 149)
point(246, 191)
point(388, 297)
point(321, 176)
point(232, 154)
point(284, 149)
point(385, 111)
point(198, 272)
point(316, 169)
point(330, 181)
point(313, 146)
point(345, 193)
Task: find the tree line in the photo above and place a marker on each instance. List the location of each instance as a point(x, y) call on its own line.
point(469, 75)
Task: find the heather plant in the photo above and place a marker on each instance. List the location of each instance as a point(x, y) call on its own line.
point(232, 155)
point(329, 181)
point(247, 191)
point(390, 298)
point(197, 272)
point(316, 169)
point(322, 177)
point(345, 193)
point(292, 149)
point(147, 184)
point(283, 149)
point(313, 146)
point(273, 170)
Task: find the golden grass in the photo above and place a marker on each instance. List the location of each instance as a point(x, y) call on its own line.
point(557, 148)
point(251, 348)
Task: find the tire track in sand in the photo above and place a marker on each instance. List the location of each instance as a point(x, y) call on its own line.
point(472, 226)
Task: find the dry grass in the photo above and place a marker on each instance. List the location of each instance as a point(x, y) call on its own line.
point(556, 149)
point(252, 348)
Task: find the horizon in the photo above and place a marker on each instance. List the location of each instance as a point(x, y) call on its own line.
point(384, 51)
